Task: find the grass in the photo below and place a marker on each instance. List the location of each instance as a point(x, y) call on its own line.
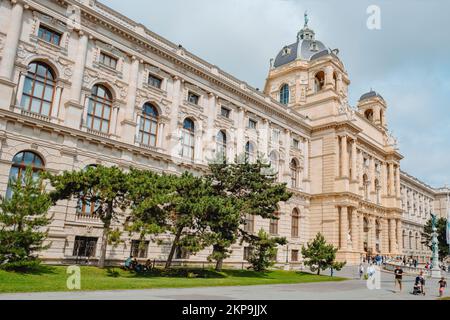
point(50, 279)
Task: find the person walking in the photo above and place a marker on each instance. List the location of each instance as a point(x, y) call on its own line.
point(442, 286)
point(398, 278)
point(361, 270)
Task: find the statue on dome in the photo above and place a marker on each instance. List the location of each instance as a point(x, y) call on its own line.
point(306, 19)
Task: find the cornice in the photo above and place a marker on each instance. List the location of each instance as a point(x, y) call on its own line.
point(198, 68)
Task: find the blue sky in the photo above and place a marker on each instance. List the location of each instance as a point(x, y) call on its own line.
point(407, 61)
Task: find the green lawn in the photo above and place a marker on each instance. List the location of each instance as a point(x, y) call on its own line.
point(92, 278)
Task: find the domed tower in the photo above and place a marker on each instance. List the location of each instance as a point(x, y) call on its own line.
point(306, 72)
point(373, 107)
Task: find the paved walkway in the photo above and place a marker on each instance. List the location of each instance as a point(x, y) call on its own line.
point(353, 289)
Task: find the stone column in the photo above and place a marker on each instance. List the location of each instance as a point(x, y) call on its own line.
point(78, 70)
point(20, 88)
point(344, 157)
point(263, 133)
point(198, 151)
point(338, 157)
point(384, 180)
point(391, 179)
point(74, 107)
point(397, 181)
point(391, 223)
point(398, 233)
point(127, 114)
point(361, 232)
point(370, 238)
point(287, 161)
point(329, 77)
point(355, 230)
point(372, 176)
point(56, 102)
point(209, 137)
point(344, 227)
point(384, 236)
point(173, 135)
point(354, 173)
point(241, 141)
point(12, 41)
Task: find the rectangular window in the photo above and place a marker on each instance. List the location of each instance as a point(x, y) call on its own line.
point(84, 246)
point(193, 98)
point(295, 144)
point(139, 248)
point(294, 226)
point(108, 60)
point(294, 255)
point(249, 222)
point(273, 227)
point(225, 112)
point(181, 253)
point(247, 252)
point(252, 124)
point(49, 35)
point(154, 81)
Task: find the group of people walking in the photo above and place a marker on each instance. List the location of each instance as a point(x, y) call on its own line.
point(419, 282)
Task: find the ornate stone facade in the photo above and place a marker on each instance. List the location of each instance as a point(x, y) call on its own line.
point(419, 200)
point(81, 85)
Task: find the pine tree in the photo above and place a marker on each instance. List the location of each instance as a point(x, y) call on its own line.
point(249, 189)
point(441, 225)
point(103, 187)
point(23, 218)
point(319, 255)
point(263, 251)
point(171, 204)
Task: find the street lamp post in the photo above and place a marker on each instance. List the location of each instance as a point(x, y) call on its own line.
point(435, 271)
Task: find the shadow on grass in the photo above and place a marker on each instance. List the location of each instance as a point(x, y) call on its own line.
point(180, 273)
point(247, 274)
point(35, 270)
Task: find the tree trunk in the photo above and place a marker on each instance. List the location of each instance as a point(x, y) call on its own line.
point(106, 226)
point(101, 261)
point(219, 264)
point(174, 246)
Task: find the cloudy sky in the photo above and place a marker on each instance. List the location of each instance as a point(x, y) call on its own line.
point(407, 61)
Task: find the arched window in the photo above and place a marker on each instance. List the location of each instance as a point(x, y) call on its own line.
point(38, 89)
point(273, 227)
point(148, 129)
point(294, 173)
point(84, 205)
point(319, 81)
point(295, 223)
point(187, 139)
point(99, 109)
point(249, 152)
point(222, 144)
point(20, 162)
point(284, 94)
point(369, 114)
point(273, 158)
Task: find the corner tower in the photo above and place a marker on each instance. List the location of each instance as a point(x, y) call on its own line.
point(306, 73)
